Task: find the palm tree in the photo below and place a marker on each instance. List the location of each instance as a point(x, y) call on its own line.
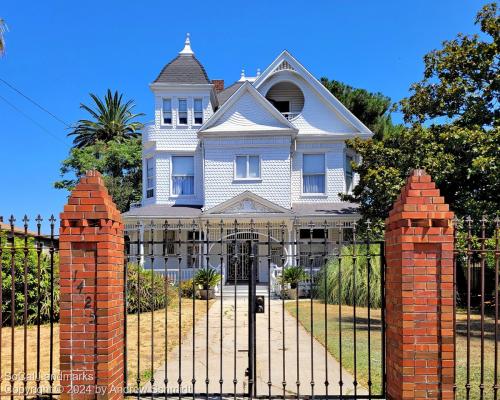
point(111, 120)
point(3, 29)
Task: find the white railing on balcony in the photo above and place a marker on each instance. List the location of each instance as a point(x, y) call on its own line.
point(290, 115)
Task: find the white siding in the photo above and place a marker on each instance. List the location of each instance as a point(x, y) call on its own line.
point(275, 169)
point(316, 117)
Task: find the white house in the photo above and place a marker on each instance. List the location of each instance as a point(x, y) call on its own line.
point(268, 149)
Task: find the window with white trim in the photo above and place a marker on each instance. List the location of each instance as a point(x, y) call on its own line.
point(198, 111)
point(182, 175)
point(247, 167)
point(150, 178)
point(313, 173)
point(348, 173)
point(183, 114)
point(167, 111)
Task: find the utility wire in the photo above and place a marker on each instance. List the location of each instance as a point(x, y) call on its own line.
point(35, 103)
point(32, 120)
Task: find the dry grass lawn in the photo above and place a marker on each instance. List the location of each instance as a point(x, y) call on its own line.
point(145, 332)
point(376, 354)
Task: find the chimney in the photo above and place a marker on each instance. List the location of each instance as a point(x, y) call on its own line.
point(218, 84)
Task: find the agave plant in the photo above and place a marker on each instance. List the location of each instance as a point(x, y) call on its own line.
point(207, 278)
point(293, 275)
point(111, 120)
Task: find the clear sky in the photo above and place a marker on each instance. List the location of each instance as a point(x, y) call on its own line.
point(59, 51)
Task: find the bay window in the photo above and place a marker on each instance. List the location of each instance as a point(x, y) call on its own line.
point(247, 167)
point(182, 175)
point(149, 178)
point(313, 173)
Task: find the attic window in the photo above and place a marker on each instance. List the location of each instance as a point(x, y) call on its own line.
point(287, 98)
point(183, 115)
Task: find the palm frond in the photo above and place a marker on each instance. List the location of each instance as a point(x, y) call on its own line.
point(111, 119)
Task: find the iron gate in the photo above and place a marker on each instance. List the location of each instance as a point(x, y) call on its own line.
point(307, 322)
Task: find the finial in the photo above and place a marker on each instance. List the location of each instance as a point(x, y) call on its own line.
point(242, 76)
point(258, 72)
point(187, 46)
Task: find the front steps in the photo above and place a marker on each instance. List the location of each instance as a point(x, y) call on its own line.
point(242, 290)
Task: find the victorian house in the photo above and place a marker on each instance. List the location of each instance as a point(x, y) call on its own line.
point(268, 149)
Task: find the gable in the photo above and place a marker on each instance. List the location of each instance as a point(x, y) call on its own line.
point(325, 112)
point(246, 111)
point(247, 203)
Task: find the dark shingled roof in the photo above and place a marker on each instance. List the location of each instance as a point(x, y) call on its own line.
point(312, 209)
point(228, 92)
point(185, 68)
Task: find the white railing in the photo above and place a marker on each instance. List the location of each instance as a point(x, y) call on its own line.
point(290, 115)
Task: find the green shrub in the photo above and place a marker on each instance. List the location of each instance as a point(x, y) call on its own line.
point(32, 282)
point(148, 289)
point(293, 275)
point(186, 288)
point(353, 286)
point(207, 278)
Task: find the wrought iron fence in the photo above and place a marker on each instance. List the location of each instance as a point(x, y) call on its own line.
point(476, 304)
point(298, 311)
point(29, 289)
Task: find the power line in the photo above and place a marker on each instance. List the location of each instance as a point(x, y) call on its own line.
point(32, 120)
point(35, 103)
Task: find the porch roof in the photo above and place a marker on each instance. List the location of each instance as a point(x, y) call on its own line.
point(165, 211)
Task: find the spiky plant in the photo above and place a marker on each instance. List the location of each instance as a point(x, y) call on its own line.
point(112, 120)
point(293, 275)
point(207, 278)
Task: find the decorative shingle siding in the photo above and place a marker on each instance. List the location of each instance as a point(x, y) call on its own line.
point(335, 179)
point(316, 117)
point(275, 169)
point(247, 114)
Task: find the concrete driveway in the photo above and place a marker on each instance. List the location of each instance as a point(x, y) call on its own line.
point(234, 363)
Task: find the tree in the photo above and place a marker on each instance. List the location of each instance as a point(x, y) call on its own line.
point(111, 120)
point(3, 29)
point(118, 161)
point(462, 80)
point(373, 109)
point(463, 162)
point(462, 155)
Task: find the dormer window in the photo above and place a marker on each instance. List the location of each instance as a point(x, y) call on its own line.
point(287, 98)
point(183, 115)
point(198, 111)
point(167, 111)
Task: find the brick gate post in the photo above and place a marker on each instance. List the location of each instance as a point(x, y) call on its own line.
point(419, 293)
point(92, 304)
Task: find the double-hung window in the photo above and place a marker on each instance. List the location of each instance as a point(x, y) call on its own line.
point(348, 173)
point(167, 111)
point(313, 173)
point(247, 167)
point(198, 111)
point(183, 112)
point(182, 175)
point(149, 178)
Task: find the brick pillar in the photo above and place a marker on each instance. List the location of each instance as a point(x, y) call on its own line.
point(419, 293)
point(92, 303)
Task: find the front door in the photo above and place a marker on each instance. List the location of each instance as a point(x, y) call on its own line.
point(238, 264)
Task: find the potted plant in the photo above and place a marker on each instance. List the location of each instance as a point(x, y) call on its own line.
point(292, 276)
point(206, 279)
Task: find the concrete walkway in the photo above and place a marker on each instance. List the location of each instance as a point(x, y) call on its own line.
point(233, 368)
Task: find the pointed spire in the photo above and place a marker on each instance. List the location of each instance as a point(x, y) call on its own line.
point(187, 46)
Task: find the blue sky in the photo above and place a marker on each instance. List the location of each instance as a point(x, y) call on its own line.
point(59, 51)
